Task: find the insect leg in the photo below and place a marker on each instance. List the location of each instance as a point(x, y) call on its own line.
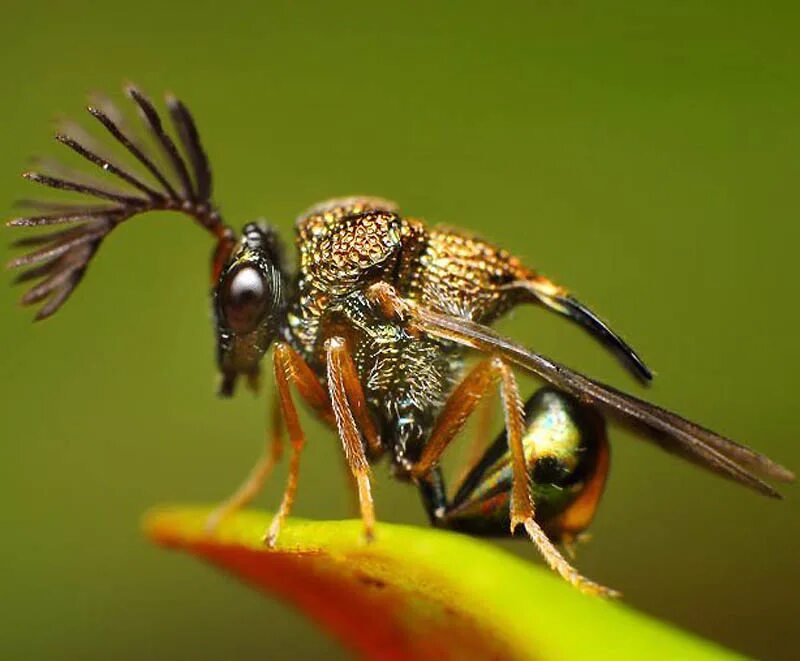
point(355, 394)
point(474, 389)
point(482, 429)
point(291, 369)
point(463, 401)
point(254, 482)
point(347, 401)
point(482, 432)
point(353, 505)
point(522, 512)
point(434, 496)
point(460, 405)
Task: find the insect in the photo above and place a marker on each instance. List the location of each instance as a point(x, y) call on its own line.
point(372, 330)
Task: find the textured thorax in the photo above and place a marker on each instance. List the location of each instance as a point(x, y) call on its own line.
point(345, 246)
point(341, 244)
point(465, 276)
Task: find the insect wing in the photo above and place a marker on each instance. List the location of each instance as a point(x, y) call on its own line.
point(667, 429)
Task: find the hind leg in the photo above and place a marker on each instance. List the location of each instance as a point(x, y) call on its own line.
point(457, 409)
point(465, 400)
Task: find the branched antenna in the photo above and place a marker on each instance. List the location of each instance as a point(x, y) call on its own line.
point(60, 257)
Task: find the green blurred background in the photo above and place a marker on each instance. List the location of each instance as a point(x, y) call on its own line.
point(644, 154)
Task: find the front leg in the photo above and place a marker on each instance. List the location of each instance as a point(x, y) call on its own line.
point(348, 403)
point(254, 482)
point(291, 369)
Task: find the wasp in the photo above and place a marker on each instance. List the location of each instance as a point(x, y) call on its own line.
point(372, 330)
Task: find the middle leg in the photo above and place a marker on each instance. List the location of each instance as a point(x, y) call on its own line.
point(480, 436)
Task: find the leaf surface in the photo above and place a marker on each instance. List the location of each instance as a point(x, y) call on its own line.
point(420, 593)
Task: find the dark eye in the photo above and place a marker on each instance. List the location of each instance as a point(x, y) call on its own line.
point(244, 298)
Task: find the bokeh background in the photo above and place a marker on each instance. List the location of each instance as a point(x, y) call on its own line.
point(645, 154)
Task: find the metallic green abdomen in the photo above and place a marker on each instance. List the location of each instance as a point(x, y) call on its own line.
point(566, 454)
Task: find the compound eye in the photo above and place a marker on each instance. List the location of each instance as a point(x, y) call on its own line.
point(244, 298)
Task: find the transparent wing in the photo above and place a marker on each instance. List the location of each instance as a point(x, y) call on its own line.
point(667, 429)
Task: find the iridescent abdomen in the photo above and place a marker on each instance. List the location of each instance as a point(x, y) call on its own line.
point(566, 452)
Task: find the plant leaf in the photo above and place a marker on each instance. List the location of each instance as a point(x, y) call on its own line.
point(419, 593)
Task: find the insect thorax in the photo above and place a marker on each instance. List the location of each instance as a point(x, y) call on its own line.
point(345, 246)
